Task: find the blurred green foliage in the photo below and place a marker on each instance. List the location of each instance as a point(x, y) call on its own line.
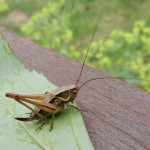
point(3, 6)
point(50, 27)
point(124, 54)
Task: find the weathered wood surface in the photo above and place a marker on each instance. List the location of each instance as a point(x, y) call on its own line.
point(118, 114)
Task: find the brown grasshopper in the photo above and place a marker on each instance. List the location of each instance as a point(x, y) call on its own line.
point(51, 103)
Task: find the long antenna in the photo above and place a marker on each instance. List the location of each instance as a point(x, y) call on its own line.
point(101, 10)
point(100, 78)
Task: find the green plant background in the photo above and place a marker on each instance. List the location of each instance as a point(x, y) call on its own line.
point(121, 44)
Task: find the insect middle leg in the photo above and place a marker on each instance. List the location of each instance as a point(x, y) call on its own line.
point(53, 116)
point(40, 127)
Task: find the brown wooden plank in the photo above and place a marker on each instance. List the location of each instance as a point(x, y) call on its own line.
point(118, 115)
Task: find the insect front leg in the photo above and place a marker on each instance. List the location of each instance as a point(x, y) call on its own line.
point(69, 105)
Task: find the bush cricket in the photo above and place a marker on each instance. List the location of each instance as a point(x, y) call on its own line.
point(49, 104)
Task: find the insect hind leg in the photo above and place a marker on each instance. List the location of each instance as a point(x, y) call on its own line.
point(16, 97)
point(25, 119)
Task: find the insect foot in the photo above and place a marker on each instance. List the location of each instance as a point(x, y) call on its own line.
point(83, 110)
point(40, 127)
point(50, 129)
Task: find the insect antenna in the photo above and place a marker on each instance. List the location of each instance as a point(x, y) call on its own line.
point(84, 109)
point(99, 17)
point(101, 78)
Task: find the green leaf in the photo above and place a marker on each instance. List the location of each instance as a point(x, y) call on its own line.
point(69, 132)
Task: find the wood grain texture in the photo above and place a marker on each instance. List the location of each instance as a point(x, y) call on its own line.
point(118, 115)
